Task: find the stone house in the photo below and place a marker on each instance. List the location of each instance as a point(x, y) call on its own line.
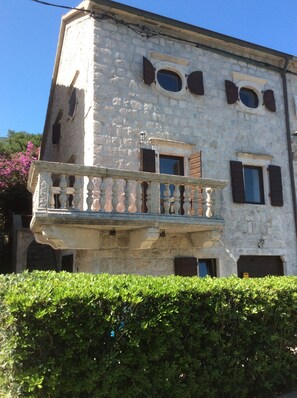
point(167, 149)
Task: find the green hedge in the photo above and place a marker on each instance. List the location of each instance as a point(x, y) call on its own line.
point(94, 336)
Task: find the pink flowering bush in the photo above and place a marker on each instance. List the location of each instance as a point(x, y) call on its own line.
point(14, 169)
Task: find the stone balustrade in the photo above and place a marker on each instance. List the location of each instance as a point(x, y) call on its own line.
point(68, 187)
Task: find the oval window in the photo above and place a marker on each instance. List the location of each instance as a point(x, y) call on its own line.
point(249, 97)
point(169, 80)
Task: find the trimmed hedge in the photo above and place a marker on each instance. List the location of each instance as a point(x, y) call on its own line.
point(96, 336)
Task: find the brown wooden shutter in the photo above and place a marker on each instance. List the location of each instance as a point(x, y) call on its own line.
point(276, 189)
point(72, 103)
point(231, 92)
point(186, 266)
point(269, 101)
point(148, 163)
point(196, 171)
point(148, 71)
point(237, 182)
point(195, 165)
point(148, 160)
point(195, 83)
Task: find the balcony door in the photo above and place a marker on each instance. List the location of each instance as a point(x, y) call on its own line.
point(173, 165)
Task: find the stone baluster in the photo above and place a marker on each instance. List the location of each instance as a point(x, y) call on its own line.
point(138, 196)
point(63, 192)
point(176, 205)
point(90, 188)
point(114, 195)
point(166, 200)
point(126, 195)
point(102, 189)
point(77, 193)
point(209, 202)
point(149, 197)
point(187, 201)
point(195, 202)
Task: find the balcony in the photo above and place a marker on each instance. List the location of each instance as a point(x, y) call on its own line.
point(74, 205)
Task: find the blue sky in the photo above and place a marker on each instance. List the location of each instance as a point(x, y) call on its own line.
point(29, 33)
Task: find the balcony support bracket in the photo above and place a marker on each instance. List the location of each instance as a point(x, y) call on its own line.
point(144, 238)
point(63, 237)
point(206, 239)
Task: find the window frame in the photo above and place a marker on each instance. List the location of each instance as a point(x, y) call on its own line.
point(260, 183)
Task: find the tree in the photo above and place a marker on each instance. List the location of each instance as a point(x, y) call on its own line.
point(14, 169)
point(16, 142)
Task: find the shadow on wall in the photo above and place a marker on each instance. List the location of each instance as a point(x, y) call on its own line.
point(64, 132)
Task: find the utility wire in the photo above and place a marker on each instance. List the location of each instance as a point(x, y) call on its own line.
point(45, 3)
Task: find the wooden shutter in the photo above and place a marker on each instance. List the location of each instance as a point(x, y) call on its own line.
point(148, 71)
point(195, 165)
point(196, 171)
point(195, 83)
point(148, 163)
point(237, 182)
point(231, 92)
point(276, 189)
point(186, 266)
point(269, 101)
point(148, 160)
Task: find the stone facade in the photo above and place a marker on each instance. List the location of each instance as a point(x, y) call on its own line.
point(117, 114)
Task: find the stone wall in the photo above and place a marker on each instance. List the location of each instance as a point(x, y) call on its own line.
point(125, 114)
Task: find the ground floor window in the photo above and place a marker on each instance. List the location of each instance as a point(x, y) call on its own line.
point(259, 266)
point(191, 266)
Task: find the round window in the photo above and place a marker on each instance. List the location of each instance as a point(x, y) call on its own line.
point(248, 97)
point(169, 80)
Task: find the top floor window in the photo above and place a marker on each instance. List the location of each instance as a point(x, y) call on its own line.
point(169, 80)
point(248, 97)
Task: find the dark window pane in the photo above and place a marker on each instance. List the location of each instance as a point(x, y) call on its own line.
point(253, 184)
point(248, 97)
point(169, 80)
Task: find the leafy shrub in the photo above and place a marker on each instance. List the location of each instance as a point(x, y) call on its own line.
point(96, 336)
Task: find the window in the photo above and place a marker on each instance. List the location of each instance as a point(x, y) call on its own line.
point(170, 165)
point(253, 184)
point(169, 80)
point(191, 266)
point(72, 103)
point(248, 97)
point(170, 77)
point(247, 182)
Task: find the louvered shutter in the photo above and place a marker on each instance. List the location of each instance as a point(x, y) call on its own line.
point(148, 71)
point(276, 188)
point(148, 163)
point(269, 101)
point(231, 92)
point(196, 171)
point(195, 83)
point(237, 182)
point(186, 266)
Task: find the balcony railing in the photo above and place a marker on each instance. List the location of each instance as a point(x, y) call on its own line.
point(63, 187)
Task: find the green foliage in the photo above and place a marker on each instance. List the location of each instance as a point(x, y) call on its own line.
point(17, 142)
point(101, 336)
